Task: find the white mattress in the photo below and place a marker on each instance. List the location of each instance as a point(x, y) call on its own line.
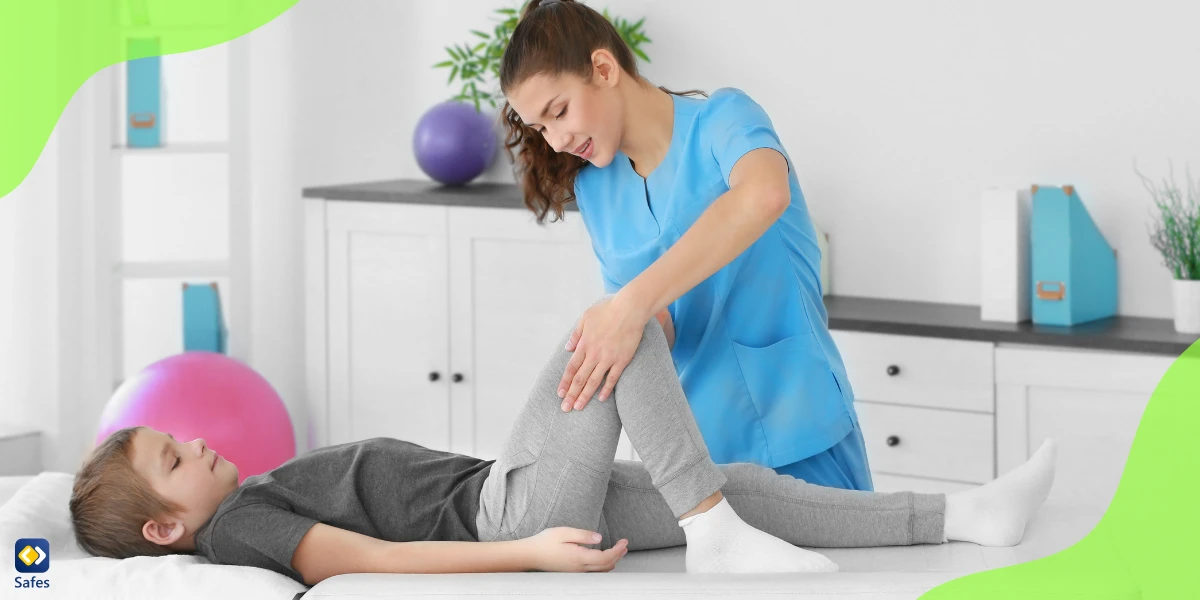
point(866, 573)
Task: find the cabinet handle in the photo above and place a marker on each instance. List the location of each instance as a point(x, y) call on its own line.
point(893, 370)
point(893, 440)
point(458, 377)
point(434, 376)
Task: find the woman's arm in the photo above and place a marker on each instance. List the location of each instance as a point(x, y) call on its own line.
point(758, 195)
point(668, 325)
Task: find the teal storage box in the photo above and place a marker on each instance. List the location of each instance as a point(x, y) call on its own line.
point(203, 323)
point(143, 94)
point(1074, 270)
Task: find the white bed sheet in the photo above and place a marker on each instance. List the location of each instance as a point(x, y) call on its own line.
point(896, 573)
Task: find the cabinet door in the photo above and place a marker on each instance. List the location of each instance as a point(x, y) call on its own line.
point(1090, 402)
point(1094, 431)
point(387, 307)
point(516, 289)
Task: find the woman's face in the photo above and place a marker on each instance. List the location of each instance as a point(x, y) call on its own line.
point(576, 116)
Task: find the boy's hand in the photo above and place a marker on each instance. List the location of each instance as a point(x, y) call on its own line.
point(561, 549)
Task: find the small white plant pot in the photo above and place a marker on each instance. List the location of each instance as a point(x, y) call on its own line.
point(1186, 294)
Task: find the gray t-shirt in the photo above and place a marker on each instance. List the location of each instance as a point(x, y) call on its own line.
point(382, 487)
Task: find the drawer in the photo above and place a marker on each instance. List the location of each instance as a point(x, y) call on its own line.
point(933, 372)
point(898, 483)
point(927, 442)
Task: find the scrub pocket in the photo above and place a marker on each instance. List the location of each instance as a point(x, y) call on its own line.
point(796, 395)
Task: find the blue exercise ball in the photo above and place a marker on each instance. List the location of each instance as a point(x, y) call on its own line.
point(454, 143)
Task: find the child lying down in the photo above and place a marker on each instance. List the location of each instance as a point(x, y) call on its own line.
point(555, 500)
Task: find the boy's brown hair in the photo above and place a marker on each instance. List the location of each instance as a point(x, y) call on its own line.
point(110, 502)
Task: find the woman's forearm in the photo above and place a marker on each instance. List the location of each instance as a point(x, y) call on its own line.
point(457, 557)
point(730, 225)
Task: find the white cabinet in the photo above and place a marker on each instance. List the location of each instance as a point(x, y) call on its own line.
point(940, 415)
point(925, 406)
point(1090, 401)
point(430, 323)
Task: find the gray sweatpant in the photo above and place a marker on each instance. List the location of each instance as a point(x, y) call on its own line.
point(557, 469)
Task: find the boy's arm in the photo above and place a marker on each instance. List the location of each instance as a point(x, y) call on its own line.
point(326, 551)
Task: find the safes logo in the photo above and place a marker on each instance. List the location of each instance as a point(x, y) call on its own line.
point(32, 555)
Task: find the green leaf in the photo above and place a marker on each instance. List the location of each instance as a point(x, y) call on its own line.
point(453, 72)
point(453, 53)
point(443, 64)
point(506, 11)
point(481, 34)
point(641, 55)
point(478, 47)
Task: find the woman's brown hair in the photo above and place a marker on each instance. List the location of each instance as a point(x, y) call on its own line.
point(554, 37)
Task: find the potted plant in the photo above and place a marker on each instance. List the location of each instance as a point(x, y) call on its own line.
point(476, 63)
point(1175, 233)
point(454, 144)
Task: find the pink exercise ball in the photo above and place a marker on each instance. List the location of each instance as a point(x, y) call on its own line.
point(211, 396)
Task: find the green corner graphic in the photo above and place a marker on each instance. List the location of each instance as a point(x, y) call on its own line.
point(49, 48)
point(1145, 545)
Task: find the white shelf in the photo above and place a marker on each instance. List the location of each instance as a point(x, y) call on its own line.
point(171, 270)
point(184, 148)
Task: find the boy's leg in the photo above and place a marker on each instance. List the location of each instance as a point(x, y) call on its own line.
point(555, 467)
point(798, 512)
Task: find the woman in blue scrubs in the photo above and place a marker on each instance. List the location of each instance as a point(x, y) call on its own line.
point(697, 218)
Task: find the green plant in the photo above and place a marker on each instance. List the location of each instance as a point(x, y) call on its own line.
point(1175, 231)
point(476, 63)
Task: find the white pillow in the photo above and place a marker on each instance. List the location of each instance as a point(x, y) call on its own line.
point(40, 509)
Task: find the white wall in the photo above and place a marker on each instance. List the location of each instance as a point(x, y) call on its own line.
point(896, 114)
point(276, 226)
point(43, 223)
point(28, 324)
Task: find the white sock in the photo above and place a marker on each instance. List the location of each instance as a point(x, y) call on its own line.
point(995, 513)
point(719, 541)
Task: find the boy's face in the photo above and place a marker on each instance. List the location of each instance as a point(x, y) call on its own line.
point(189, 474)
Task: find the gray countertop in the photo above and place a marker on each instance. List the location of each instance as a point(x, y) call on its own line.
point(957, 321)
point(961, 321)
point(409, 191)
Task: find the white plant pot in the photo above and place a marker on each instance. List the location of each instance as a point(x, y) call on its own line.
point(1186, 293)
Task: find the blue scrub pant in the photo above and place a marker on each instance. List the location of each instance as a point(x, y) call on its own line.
point(842, 466)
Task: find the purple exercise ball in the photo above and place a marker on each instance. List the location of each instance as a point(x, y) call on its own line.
point(454, 143)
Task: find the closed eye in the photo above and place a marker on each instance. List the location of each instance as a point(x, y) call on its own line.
point(556, 117)
point(176, 463)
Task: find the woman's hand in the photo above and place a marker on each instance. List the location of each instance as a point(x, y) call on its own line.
point(603, 342)
point(562, 549)
point(664, 319)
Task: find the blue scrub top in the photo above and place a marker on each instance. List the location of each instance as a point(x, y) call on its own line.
point(753, 350)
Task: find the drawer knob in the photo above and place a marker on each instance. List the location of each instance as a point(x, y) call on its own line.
point(458, 377)
point(893, 440)
point(893, 370)
point(434, 376)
